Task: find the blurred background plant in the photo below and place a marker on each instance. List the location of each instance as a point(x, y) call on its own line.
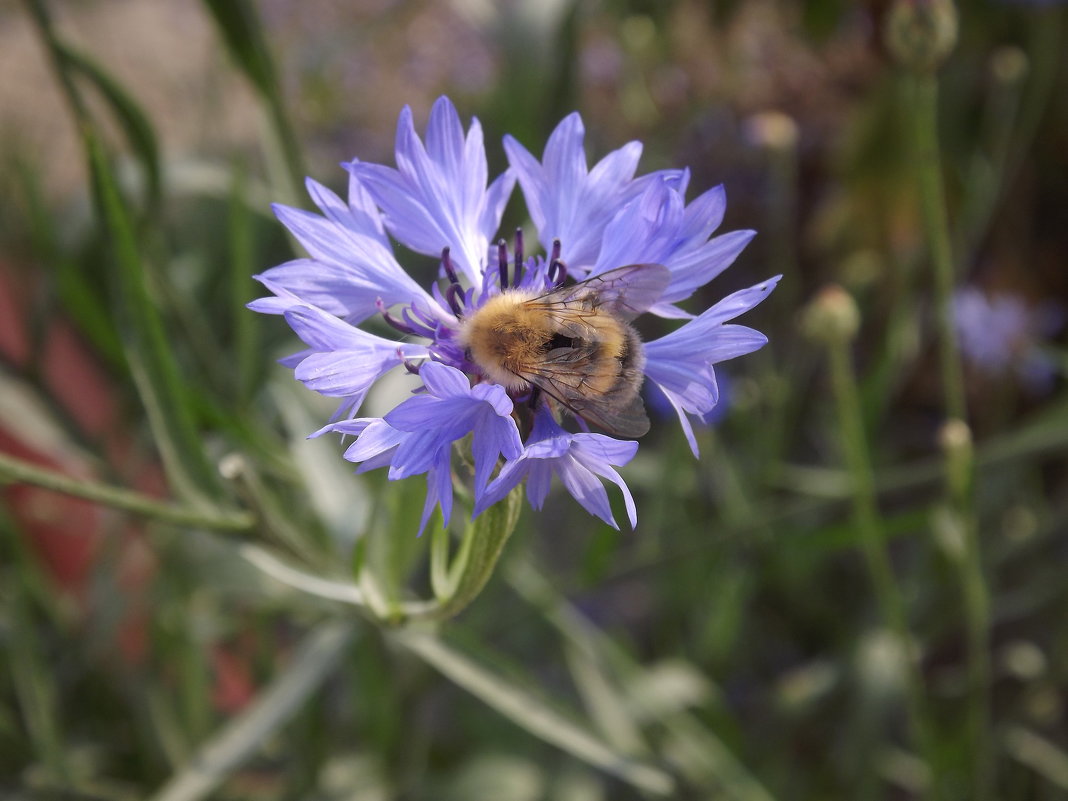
point(858, 592)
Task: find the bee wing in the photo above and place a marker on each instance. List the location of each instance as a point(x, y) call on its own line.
point(625, 292)
point(564, 377)
point(626, 420)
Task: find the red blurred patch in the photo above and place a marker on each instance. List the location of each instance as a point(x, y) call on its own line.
point(234, 686)
point(67, 534)
point(70, 536)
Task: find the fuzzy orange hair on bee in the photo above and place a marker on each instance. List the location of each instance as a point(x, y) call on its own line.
point(573, 344)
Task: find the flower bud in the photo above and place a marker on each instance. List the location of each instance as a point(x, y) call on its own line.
point(920, 34)
point(772, 130)
point(832, 316)
point(1009, 65)
point(955, 439)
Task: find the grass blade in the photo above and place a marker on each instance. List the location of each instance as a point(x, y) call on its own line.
point(532, 713)
point(242, 34)
point(151, 361)
point(701, 756)
point(239, 739)
point(134, 122)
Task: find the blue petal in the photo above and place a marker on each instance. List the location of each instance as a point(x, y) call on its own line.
point(442, 380)
point(577, 458)
point(349, 270)
point(643, 230)
point(341, 373)
point(692, 339)
point(680, 409)
point(510, 475)
point(586, 489)
point(494, 436)
point(565, 199)
point(694, 269)
point(359, 215)
point(437, 196)
point(376, 437)
point(417, 452)
point(539, 480)
point(703, 344)
point(494, 395)
point(438, 491)
point(657, 228)
point(605, 450)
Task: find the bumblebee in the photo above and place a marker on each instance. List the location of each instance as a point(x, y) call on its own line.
point(574, 345)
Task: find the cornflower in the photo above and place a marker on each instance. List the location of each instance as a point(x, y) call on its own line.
point(439, 201)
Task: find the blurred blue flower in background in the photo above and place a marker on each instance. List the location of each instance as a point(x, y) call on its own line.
point(1001, 334)
point(439, 201)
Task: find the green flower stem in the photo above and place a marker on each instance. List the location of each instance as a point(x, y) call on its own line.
point(869, 526)
point(482, 545)
point(973, 583)
point(454, 585)
point(14, 470)
point(271, 518)
point(928, 163)
point(960, 477)
point(977, 614)
point(41, 17)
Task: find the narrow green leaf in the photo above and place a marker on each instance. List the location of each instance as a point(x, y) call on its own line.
point(240, 27)
point(533, 713)
point(698, 752)
point(135, 124)
point(34, 685)
point(392, 550)
point(81, 301)
point(242, 264)
point(242, 32)
point(151, 361)
point(308, 583)
point(604, 702)
point(243, 736)
point(1043, 756)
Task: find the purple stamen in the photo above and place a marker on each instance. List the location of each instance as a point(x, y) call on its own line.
point(423, 316)
point(518, 271)
point(391, 320)
point(418, 325)
point(446, 263)
point(453, 295)
point(411, 366)
point(557, 271)
point(502, 263)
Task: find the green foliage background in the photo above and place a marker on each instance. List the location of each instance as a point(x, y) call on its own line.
point(844, 598)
